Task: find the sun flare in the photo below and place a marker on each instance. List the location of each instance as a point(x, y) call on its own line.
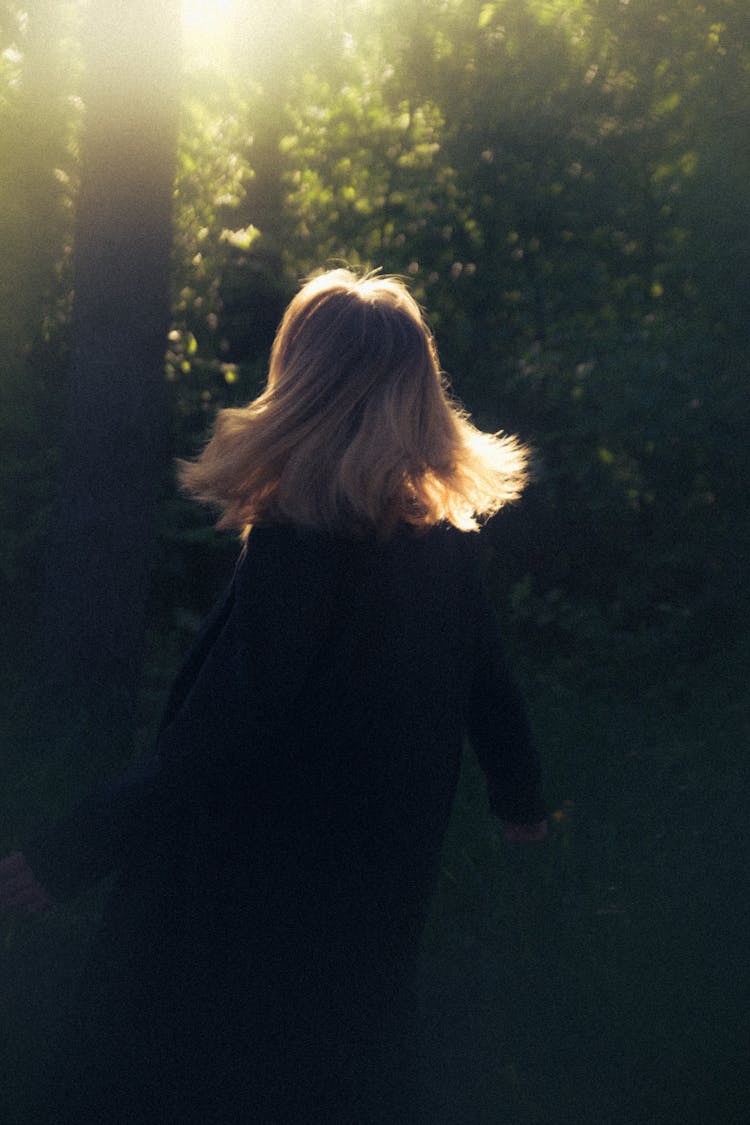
point(206, 26)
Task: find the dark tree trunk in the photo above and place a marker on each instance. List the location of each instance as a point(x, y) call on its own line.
point(114, 442)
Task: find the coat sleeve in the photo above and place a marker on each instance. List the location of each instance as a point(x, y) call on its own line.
point(499, 728)
point(87, 845)
point(146, 801)
point(237, 685)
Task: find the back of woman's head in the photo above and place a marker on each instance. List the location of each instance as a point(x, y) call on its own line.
point(354, 432)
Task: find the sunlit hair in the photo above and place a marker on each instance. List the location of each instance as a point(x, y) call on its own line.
point(354, 432)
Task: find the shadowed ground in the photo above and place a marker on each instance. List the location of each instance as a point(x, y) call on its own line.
point(600, 977)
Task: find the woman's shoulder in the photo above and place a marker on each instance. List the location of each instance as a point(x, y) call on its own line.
point(294, 553)
point(444, 542)
point(280, 537)
point(280, 554)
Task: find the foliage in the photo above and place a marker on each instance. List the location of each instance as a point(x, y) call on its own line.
point(565, 184)
point(38, 129)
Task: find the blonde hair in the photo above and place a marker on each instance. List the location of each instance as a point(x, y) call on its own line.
point(355, 431)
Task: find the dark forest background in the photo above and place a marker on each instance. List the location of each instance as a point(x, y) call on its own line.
point(565, 184)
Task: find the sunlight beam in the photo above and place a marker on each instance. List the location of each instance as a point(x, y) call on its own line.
point(206, 29)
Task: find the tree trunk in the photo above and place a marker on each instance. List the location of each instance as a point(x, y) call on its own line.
point(114, 442)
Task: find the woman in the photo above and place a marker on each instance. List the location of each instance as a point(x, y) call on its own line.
point(276, 856)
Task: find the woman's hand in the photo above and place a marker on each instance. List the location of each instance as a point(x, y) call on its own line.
point(20, 893)
point(525, 833)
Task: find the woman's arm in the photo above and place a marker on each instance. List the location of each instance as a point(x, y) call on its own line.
point(20, 891)
point(526, 833)
point(91, 842)
point(142, 806)
point(500, 732)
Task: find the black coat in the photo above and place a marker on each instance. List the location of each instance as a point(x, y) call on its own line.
point(275, 858)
